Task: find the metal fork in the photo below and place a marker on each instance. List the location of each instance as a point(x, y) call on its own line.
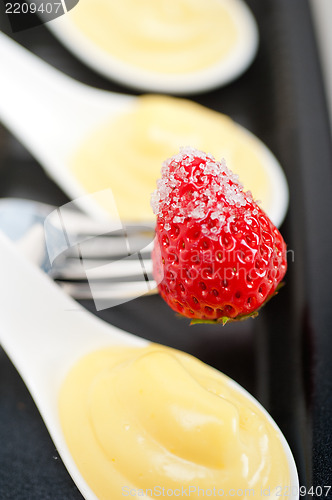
point(88, 259)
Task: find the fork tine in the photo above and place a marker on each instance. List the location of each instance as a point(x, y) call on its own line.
point(109, 247)
point(109, 291)
point(74, 269)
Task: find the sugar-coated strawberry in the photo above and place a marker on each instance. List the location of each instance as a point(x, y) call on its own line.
point(217, 256)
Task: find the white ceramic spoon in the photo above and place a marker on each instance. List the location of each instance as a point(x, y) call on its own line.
point(216, 75)
point(51, 113)
point(45, 332)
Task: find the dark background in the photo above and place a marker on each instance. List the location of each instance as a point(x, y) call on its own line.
point(284, 356)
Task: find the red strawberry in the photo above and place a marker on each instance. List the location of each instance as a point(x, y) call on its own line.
point(217, 256)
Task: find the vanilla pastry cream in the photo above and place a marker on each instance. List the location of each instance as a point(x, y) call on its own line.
point(160, 36)
point(141, 419)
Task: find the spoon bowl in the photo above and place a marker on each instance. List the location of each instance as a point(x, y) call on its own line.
point(45, 332)
point(216, 75)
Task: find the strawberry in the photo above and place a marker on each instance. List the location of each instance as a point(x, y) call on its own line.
point(217, 256)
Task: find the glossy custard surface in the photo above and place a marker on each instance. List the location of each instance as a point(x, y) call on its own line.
point(160, 36)
point(146, 418)
point(126, 154)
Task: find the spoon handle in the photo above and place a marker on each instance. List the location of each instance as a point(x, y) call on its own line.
point(48, 111)
point(42, 330)
point(32, 95)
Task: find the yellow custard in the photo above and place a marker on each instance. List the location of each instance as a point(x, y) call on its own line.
point(126, 154)
point(161, 36)
point(142, 419)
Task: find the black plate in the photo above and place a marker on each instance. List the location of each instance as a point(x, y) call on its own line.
point(284, 356)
